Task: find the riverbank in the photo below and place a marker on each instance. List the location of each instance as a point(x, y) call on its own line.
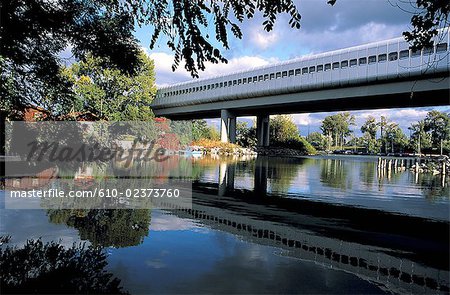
point(281, 152)
point(214, 147)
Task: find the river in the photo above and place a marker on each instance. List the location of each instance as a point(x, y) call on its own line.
point(271, 225)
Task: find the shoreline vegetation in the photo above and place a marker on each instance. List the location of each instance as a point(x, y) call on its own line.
point(425, 150)
point(379, 137)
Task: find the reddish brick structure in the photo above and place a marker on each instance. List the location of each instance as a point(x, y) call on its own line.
point(41, 179)
point(29, 113)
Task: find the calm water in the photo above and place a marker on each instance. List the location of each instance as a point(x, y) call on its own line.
point(271, 225)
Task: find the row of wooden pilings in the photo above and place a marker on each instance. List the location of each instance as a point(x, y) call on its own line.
point(398, 164)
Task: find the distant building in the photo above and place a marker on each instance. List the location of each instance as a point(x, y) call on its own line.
point(29, 113)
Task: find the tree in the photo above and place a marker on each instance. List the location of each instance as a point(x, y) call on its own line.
point(245, 136)
point(369, 130)
point(438, 124)
point(394, 135)
point(371, 144)
point(284, 133)
point(419, 138)
point(370, 127)
point(282, 128)
point(382, 124)
point(109, 93)
point(34, 33)
point(337, 127)
point(201, 130)
point(213, 133)
point(317, 140)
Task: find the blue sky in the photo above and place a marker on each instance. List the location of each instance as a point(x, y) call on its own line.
point(324, 28)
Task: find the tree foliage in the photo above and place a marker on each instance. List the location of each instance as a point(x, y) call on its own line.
point(318, 140)
point(201, 130)
point(245, 135)
point(284, 133)
point(438, 124)
point(108, 92)
point(337, 127)
point(419, 139)
point(185, 24)
point(33, 33)
point(282, 129)
point(369, 130)
point(430, 16)
point(370, 127)
point(394, 137)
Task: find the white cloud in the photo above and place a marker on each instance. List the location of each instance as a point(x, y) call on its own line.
point(263, 39)
point(305, 119)
point(165, 75)
point(163, 68)
point(394, 115)
point(167, 222)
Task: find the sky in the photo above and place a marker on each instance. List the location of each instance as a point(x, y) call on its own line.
point(323, 28)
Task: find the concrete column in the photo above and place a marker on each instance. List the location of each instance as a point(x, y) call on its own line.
point(232, 129)
point(224, 126)
point(262, 130)
point(227, 126)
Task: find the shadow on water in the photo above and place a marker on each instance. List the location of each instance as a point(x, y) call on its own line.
point(401, 251)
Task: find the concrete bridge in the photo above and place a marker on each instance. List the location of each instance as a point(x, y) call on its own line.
point(385, 74)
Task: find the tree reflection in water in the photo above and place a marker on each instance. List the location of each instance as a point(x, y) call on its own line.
point(282, 172)
point(108, 228)
point(434, 187)
point(334, 173)
point(51, 268)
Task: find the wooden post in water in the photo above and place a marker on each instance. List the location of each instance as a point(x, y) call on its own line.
point(443, 168)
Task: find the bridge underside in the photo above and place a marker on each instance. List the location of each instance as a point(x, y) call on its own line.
point(400, 94)
point(429, 92)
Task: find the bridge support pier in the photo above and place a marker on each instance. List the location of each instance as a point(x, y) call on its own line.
point(262, 130)
point(227, 126)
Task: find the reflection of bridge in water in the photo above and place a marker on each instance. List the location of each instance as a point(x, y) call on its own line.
point(399, 253)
